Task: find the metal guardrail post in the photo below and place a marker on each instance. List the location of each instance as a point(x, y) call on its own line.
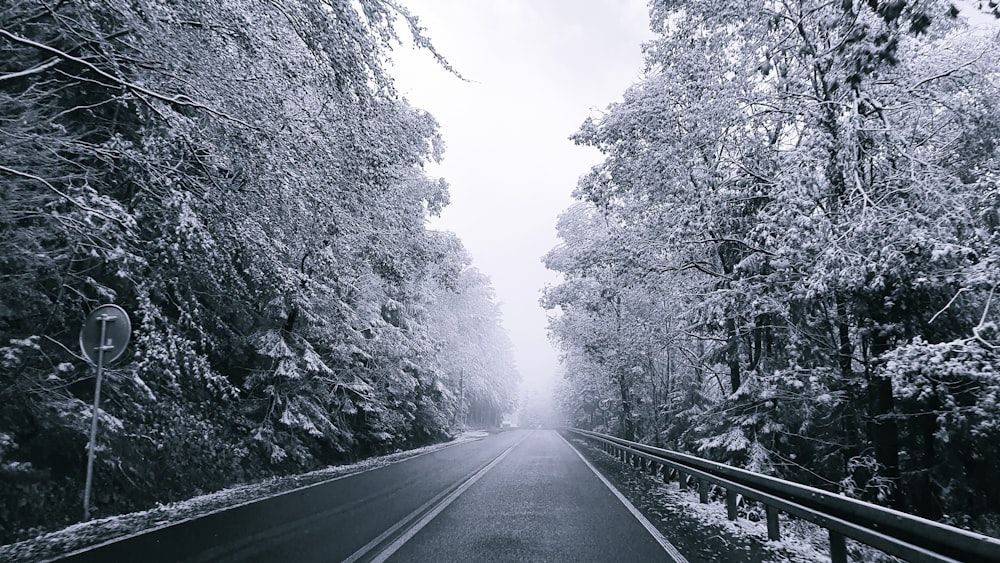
point(773, 526)
point(703, 491)
point(899, 534)
point(838, 548)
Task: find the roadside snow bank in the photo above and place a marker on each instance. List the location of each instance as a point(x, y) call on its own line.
point(702, 532)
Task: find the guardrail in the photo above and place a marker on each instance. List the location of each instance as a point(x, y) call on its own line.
point(893, 532)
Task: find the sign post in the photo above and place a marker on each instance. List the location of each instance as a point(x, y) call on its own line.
point(605, 405)
point(103, 338)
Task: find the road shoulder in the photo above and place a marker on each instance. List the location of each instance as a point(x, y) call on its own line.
point(700, 532)
point(82, 535)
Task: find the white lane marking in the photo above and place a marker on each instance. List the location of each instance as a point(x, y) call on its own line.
point(392, 529)
point(267, 497)
point(664, 542)
point(426, 519)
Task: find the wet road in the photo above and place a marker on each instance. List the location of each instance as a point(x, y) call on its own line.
point(541, 503)
point(523, 495)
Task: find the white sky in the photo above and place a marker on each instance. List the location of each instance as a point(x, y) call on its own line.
point(539, 68)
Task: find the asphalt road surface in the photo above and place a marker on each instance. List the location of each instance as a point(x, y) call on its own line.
point(522, 495)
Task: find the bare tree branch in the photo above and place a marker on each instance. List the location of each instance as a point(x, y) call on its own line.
point(179, 99)
point(35, 70)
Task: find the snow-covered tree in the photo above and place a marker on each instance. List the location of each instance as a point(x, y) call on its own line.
point(815, 182)
point(242, 178)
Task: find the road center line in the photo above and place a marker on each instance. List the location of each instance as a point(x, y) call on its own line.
point(660, 539)
point(429, 509)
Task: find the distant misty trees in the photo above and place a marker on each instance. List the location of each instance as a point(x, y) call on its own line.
point(241, 177)
point(788, 258)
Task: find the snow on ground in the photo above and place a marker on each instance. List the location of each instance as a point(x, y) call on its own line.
point(83, 534)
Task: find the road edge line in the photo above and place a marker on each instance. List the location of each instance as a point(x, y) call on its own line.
point(165, 525)
point(657, 535)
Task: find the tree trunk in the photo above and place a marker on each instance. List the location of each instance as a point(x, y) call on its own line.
point(757, 351)
point(733, 354)
point(884, 433)
point(290, 321)
point(849, 417)
point(925, 494)
point(628, 427)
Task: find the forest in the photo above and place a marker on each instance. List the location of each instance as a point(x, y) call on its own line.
point(241, 177)
point(788, 258)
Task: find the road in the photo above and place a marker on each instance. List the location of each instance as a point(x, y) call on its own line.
point(522, 495)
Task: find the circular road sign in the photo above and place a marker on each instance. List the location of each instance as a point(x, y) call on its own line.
point(605, 404)
point(118, 329)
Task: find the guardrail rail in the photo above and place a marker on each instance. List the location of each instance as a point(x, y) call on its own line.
point(895, 533)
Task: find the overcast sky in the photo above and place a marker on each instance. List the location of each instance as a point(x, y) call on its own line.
point(538, 69)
